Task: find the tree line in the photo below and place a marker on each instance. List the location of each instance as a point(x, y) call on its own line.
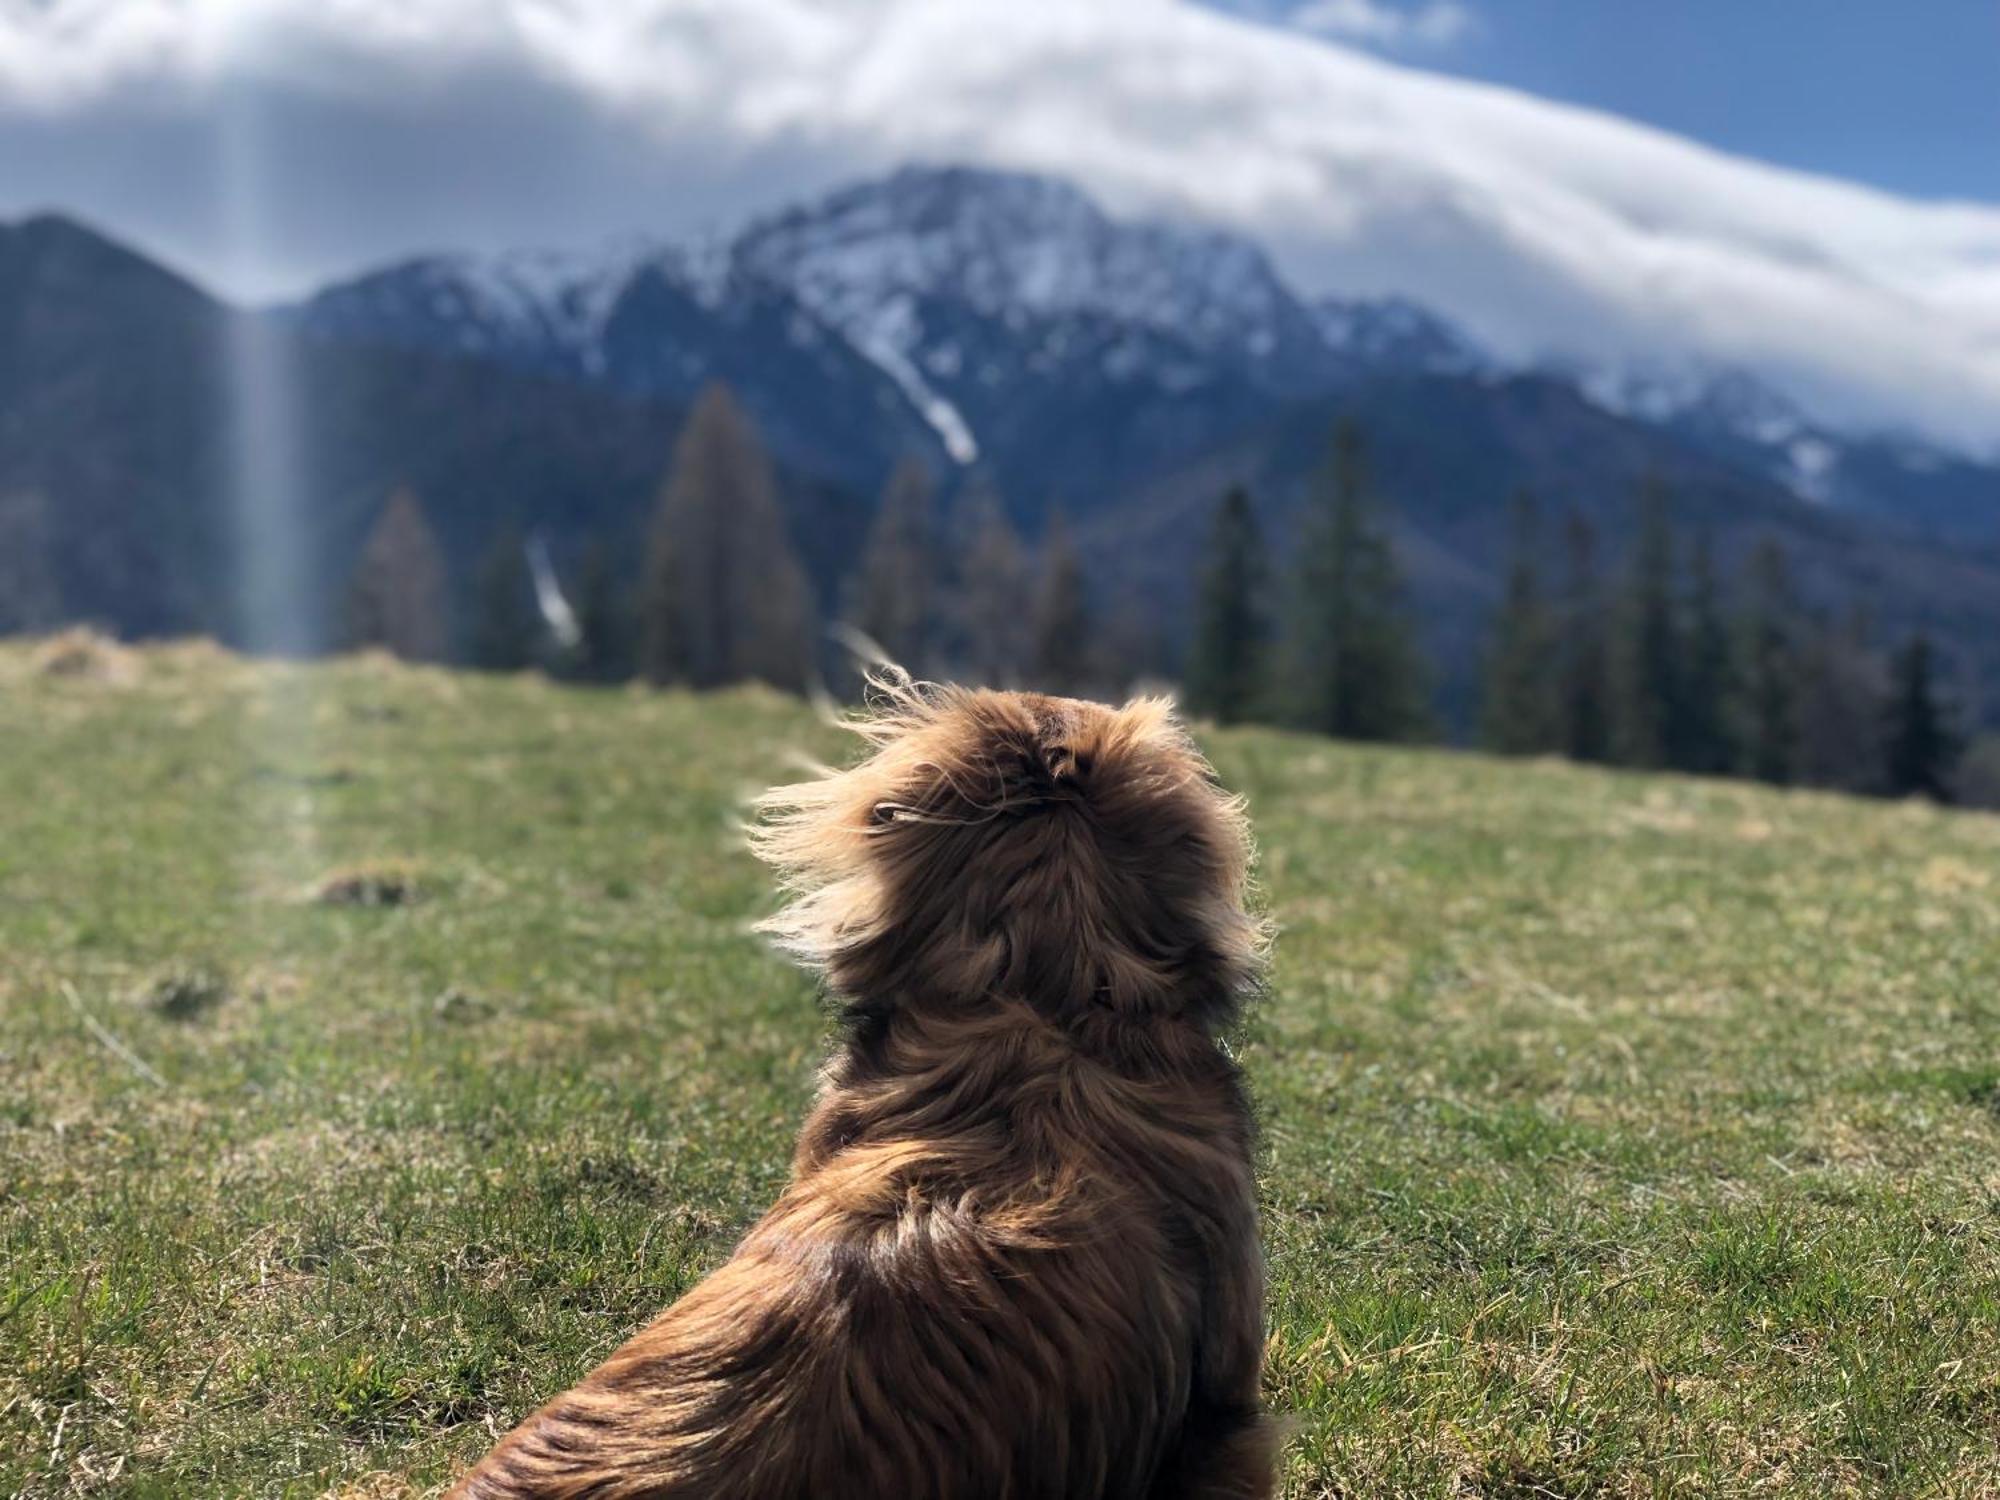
point(1660, 661)
point(719, 594)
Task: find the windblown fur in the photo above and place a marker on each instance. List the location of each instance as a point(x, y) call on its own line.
point(1018, 1258)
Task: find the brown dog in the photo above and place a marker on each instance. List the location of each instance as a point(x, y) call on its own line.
point(1018, 1256)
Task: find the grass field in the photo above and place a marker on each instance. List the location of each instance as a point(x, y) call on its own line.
point(378, 1047)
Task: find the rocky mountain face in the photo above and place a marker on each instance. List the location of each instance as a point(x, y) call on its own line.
point(970, 317)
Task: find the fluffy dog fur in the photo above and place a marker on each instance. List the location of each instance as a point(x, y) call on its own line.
point(1018, 1255)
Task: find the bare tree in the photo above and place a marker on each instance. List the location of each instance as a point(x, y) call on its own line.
point(397, 597)
point(724, 598)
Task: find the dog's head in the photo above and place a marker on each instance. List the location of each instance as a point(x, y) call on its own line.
point(1062, 852)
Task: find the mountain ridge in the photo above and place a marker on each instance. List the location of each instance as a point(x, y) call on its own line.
point(545, 392)
point(991, 303)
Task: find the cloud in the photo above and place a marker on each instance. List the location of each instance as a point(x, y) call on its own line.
point(1439, 23)
point(377, 126)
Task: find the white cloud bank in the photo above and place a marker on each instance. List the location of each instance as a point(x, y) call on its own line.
point(1545, 229)
point(1438, 23)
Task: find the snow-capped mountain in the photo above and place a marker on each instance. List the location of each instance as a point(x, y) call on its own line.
point(517, 390)
point(544, 307)
point(1731, 414)
point(1393, 333)
point(1541, 227)
point(968, 314)
point(994, 318)
point(975, 287)
point(654, 321)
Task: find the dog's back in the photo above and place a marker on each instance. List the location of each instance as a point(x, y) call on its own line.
point(1018, 1256)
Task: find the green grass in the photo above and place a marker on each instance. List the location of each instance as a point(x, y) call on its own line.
point(1622, 1136)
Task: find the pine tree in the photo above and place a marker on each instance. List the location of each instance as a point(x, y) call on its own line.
point(1585, 668)
point(1768, 670)
point(1355, 671)
point(992, 592)
point(724, 598)
point(506, 626)
point(1646, 722)
point(1060, 624)
point(892, 596)
point(606, 632)
point(397, 596)
point(1708, 689)
point(1922, 747)
point(1225, 677)
point(1521, 708)
point(1842, 701)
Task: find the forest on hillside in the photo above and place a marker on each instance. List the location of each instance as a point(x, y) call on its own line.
point(1654, 659)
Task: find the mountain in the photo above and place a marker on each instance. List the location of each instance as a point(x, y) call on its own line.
point(1540, 227)
point(120, 481)
point(1025, 323)
point(1900, 479)
point(658, 323)
point(110, 383)
point(970, 317)
point(1003, 328)
point(1004, 321)
point(1446, 452)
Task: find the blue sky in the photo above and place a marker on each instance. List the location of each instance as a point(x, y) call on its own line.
point(1903, 95)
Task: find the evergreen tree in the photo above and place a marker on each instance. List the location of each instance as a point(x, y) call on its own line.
point(1355, 671)
point(1226, 659)
point(1060, 650)
point(1707, 739)
point(1646, 723)
point(606, 632)
point(724, 598)
point(1768, 673)
point(506, 625)
point(1922, 747)
point(892, 597)
point(993, 592)
point(397, 597)
point(1585, 669)
point(1841, 703)
point(1520, 710)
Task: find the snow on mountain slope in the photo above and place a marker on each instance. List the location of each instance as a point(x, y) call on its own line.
point(1012, 245)
point(1540, 228)
point(974, 294)
point(1395, 333)
point(538, 306)
point(973, 287)
point(996, 315)
point(653, 321)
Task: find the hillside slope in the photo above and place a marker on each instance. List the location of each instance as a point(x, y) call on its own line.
point(1621, 1135)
